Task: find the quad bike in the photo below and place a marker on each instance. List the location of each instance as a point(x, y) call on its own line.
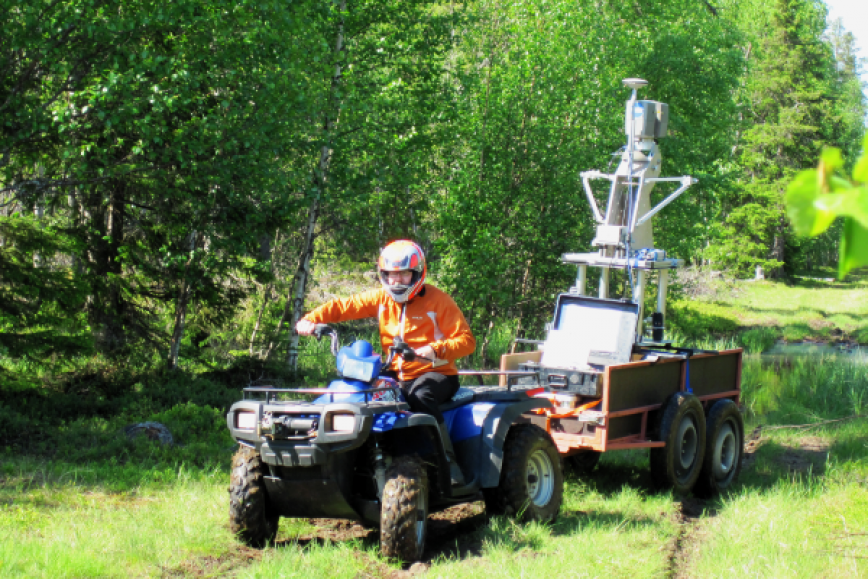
point(355, 451)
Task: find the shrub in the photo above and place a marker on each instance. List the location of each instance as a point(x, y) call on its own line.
point(697, 320)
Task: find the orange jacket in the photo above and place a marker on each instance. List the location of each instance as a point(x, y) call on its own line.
point(431, 319)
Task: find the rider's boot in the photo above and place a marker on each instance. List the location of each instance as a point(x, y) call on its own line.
point(454, 470)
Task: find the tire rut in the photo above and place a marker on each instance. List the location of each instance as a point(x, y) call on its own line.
point(683, 547)
point(692, 525)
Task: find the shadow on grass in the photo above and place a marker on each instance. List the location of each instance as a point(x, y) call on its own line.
point(571, 522)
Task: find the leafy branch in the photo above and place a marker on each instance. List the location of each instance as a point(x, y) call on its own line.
point(816, 197)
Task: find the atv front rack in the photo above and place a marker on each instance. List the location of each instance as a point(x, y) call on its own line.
point(271, 392)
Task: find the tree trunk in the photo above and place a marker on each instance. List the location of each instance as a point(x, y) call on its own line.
point(330, 122)
point(106, 307)
point(489, 311)
point(265, 253)
point(181, 306)
point(779, 249)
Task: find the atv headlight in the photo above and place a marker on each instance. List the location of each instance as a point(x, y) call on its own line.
point(245, 420)
point(342, 422)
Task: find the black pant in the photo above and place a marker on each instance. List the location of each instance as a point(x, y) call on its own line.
point(427, 392)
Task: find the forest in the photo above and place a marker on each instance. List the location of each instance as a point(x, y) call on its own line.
point(180, 182)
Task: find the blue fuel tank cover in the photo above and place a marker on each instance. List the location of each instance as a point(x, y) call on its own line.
point(358, 361)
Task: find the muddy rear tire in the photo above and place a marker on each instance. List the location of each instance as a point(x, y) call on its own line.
point(251, 517)
point(531, 479)
point(404, 510)
point(724, 449)
point(682, 427)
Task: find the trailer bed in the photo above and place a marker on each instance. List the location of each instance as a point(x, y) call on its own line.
point(631, 395)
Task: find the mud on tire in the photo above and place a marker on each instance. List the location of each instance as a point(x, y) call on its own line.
point(251, 517)
point(531, 479)
point(404, 510)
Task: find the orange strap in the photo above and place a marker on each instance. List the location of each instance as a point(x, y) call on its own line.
point(549, 413)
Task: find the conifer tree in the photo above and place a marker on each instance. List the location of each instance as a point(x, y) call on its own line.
point(791, 116)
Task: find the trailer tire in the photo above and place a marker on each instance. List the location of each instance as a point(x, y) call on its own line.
point(681, 425)
point(723, 450)
point(251, 517)
point(584, 462)
point(404, 511)
point(531, 478)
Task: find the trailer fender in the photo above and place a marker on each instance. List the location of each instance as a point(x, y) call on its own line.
point(494, 429)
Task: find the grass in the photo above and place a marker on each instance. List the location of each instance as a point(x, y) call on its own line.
point(78, 499)
point(806, 309)
point(799, 510)
point(68, 529)
point(783, 519)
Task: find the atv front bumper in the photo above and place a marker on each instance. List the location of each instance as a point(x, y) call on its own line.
point(310, 470)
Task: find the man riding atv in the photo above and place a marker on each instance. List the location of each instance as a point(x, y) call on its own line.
point(425, 318)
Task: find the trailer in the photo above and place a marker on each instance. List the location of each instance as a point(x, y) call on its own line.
point(614, 380)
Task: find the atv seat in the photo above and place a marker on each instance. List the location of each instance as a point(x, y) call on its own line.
point(483, 394)
point(460, 398)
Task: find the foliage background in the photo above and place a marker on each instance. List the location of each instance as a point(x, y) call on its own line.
point(179, 182)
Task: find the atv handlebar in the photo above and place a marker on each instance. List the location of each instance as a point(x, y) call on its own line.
point(401, 348)
point(321, 330)
point(398, 348)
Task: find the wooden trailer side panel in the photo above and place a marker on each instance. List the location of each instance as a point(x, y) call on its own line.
point(637, 385)
point(642, 384)
point(645, 385)
point(715, 374)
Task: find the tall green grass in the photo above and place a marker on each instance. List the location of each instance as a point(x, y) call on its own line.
point(783, 389)
point(798, 528)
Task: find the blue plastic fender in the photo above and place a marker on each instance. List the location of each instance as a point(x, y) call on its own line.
point(345, 391)
point(466, 421)
point(345, 387)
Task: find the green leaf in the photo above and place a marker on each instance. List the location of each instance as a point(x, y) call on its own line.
point(849, 203)
point(860, 171)
point(854, 247)
point(802, 196)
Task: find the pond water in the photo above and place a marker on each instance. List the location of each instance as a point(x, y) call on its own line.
point(789, 349)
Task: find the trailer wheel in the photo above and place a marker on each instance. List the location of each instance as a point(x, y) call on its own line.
point(723, 451)
point(404, 512)
point(251, 517)
point(531, 478)
point(585, 462)
point(681, 426)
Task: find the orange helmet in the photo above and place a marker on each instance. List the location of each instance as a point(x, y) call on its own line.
point(402, 255)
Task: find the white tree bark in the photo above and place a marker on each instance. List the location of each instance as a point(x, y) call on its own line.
point(330, 122)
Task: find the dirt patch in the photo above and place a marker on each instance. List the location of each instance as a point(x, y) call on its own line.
point(335, 530)
point(376, 570)
point(210, 566)
point(450, 534)
point(809, 454)
point(817, 325)
point(751, 445)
